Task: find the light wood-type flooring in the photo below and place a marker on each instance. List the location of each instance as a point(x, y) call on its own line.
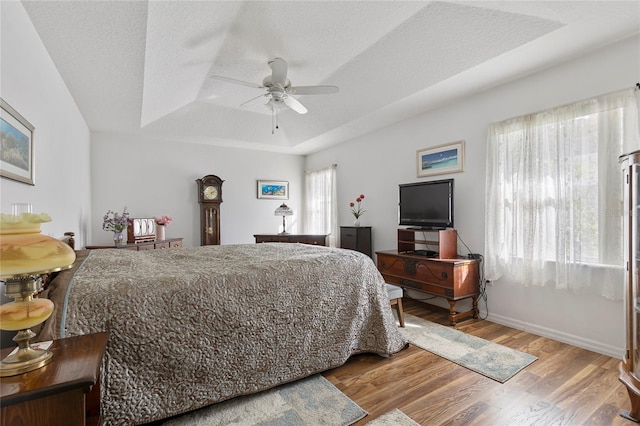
point(565, 386)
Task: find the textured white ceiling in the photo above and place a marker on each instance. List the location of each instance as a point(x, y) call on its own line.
point(145, 68)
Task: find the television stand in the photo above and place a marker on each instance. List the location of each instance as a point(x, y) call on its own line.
point(427, 253)
point(445, 241)
point(452, 279)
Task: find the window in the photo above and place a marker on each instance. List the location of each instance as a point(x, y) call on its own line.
point(320, 206)
point(554, 194)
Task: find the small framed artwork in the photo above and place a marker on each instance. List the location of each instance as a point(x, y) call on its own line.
point(16, 145)
point(441, 159)
point(273, 189)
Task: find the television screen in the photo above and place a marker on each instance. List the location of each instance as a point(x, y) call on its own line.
point(427, 204)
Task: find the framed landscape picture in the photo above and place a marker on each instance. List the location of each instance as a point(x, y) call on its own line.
point(16, 145)
point(273, 189)
point(441, 159)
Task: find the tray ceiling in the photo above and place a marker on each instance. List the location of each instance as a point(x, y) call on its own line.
point(145, 68)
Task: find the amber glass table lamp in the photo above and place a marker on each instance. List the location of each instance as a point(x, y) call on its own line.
point(26, 254)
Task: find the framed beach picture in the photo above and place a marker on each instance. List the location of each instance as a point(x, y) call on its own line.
point(273, 189)
point(441, 159)
point(16, 145)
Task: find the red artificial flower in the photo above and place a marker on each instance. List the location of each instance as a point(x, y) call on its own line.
point(357, 211)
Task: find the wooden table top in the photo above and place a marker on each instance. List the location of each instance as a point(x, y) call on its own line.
point(76, 363)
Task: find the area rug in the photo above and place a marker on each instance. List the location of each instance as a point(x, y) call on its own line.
point(394, 417)
point(490, 359)
point(310, 401)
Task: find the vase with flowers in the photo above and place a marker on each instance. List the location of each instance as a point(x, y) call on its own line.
point(117, 223)
point(357, 210)
point(161, 223)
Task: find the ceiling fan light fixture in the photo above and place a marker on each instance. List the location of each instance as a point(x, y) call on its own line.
point(279, 90)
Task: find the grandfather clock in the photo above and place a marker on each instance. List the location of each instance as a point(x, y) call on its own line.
point(209, 197)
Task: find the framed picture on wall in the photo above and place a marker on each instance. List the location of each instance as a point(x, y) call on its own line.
point(441, 159)
point(16, 145)
point(273, 189)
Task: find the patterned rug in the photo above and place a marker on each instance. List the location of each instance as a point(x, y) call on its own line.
point(490, 359)
point(310, 401)
point(394, 417)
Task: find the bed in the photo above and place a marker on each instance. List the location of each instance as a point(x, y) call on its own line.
point(191, 327)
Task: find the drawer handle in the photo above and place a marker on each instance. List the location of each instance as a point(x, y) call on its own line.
point(410, 266)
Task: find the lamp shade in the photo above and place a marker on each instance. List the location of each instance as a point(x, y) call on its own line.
point(25, 254)
point(25, 251)
point(283, 210)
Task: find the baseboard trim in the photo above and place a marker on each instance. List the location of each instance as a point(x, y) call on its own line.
point(591, 345)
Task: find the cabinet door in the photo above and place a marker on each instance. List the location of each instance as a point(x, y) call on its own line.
point(348, 238)
point(356, 238)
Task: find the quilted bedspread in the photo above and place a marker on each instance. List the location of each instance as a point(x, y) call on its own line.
point(193, 326)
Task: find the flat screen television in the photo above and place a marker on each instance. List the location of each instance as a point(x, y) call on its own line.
point(426, 205)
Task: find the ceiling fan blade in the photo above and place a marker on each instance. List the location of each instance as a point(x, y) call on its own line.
point(313, 90)
point(293, 103)
point(252, 101)
point(279, 71)
point(234, 81)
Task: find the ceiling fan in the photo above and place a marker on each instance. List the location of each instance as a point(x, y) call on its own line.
point(279, 90)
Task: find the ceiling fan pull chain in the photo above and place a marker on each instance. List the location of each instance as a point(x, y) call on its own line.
point(274, 119)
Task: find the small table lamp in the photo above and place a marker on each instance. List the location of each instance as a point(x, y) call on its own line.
point(283, 211)
point(25, 254)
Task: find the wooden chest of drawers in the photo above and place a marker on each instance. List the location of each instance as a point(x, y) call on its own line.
point(319, 240)
point(453, 279)
point(147, 245)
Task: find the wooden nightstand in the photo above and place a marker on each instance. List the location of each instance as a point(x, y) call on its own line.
point(64, 392)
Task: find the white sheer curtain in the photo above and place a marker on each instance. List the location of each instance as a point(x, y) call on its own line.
point(554, 195)
point(320, 203)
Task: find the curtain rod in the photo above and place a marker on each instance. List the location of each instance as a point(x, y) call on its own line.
point(332, 165)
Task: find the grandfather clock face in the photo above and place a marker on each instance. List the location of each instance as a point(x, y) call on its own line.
point(209, 198)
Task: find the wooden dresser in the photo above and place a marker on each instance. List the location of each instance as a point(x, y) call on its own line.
point(452, 279)
point(146, 245)
point(318, 240)
point(64, 392)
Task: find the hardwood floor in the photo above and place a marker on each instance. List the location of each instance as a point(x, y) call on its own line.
point(565, 386)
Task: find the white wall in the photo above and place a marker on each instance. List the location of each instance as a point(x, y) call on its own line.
point(31, 84)
point(376, 163)
point(154, 178)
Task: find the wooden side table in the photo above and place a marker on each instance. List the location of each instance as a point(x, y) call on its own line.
point(64, 392)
